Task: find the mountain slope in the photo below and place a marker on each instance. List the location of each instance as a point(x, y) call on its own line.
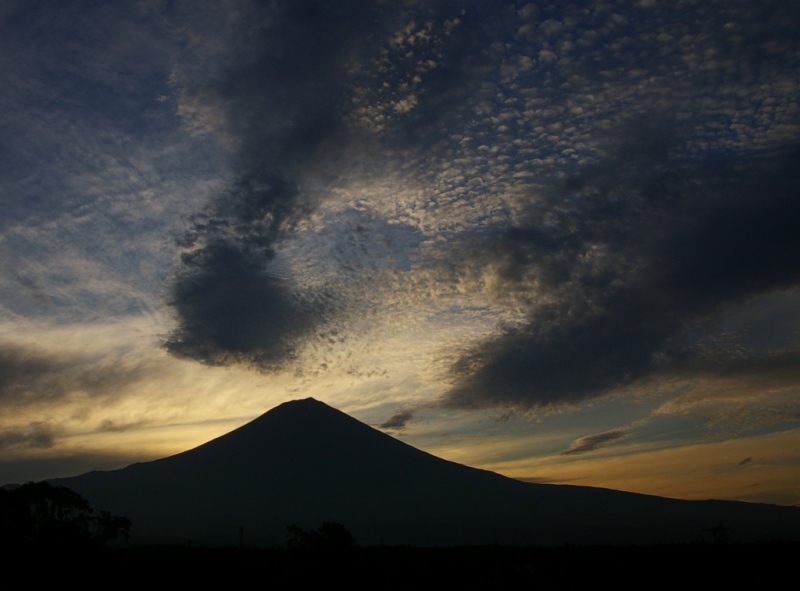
point(304, 462)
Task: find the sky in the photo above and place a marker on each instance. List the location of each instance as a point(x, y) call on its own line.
point(557, 240)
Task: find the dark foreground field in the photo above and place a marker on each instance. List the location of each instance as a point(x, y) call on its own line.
point(491, 567)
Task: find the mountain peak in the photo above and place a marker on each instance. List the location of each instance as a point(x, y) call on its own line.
point(302, 405)
point(293, 417)
point(298, 402)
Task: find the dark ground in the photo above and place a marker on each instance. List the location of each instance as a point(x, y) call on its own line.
point(687, 565)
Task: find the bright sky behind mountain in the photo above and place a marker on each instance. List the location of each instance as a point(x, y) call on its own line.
point(556, 240)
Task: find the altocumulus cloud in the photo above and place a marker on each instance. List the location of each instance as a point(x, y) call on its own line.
point(296, 90)
point(617, 252)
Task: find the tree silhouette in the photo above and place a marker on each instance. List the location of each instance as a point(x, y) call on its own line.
point(719, 533)
point(330, 535)
point(40, 515)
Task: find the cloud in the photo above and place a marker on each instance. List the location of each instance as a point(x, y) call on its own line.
point(109, 426)
point(621, 261)
point(592, 442)
point(30, 376)
point(455, 102)
point(398, 420)
point(275, 96)
point(231, 310)
point(738, 404)
point(30, 286)
point(21, 368)
point(37, 435)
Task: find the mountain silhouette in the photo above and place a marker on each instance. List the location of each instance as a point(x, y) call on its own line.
point(304, 462)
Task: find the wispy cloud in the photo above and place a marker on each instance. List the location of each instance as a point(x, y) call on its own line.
point(31, 377)
point(36, 435)
point(593, 442)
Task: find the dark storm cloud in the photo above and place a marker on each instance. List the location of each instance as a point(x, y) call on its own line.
point(232, 310)
point(398, 420)
point(592, 442)
point(278, 100)
point(623, 260)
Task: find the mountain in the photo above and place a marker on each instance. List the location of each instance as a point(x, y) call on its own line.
point(304, 462)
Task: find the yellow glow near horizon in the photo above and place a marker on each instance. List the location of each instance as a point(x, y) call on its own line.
point(764, 468)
